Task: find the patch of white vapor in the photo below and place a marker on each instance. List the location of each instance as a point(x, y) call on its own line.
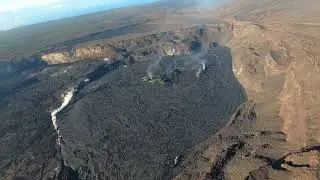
point(153, 67)
point(66, 100)
point(202, 68)
point(165, 66)
point(176, 160)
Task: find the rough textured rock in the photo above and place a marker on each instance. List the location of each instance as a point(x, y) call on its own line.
point(190, 119)
point(119, 124)
point(179, 42)
point(272, 60)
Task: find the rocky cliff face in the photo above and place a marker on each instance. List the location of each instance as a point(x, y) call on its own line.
point(169, 43)
point(97, 52)
point(275, 134)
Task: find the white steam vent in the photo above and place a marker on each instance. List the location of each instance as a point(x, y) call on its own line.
point(66, 100)
point(203, 66)
point(177, 160)
point(153, 67)
point(165, 66)
point(198, 72)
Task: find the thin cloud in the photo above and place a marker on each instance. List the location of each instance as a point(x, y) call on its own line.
point(17, 5)
point(15, 13)
point(58, 6)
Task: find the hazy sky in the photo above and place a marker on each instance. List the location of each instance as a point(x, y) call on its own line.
point(14, 13)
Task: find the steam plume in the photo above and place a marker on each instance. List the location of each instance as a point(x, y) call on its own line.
point(66, 100)
point(165, 66)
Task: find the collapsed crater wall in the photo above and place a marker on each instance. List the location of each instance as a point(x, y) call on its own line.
point(142, 125)
point(269, 64)
point(281, 76)
point(175, 42)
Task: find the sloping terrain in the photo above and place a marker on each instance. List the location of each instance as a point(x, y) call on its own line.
point(134, 129)
point(132, 116)
point(275, 134)
point(166, 102)
point(24, 42)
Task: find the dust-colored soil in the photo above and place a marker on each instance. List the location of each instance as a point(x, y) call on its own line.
point(276, 58)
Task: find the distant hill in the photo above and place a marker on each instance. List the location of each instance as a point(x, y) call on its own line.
point(26, 41)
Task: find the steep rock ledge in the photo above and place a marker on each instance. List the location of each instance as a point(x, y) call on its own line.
point(281, 79)
point(178, 42)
